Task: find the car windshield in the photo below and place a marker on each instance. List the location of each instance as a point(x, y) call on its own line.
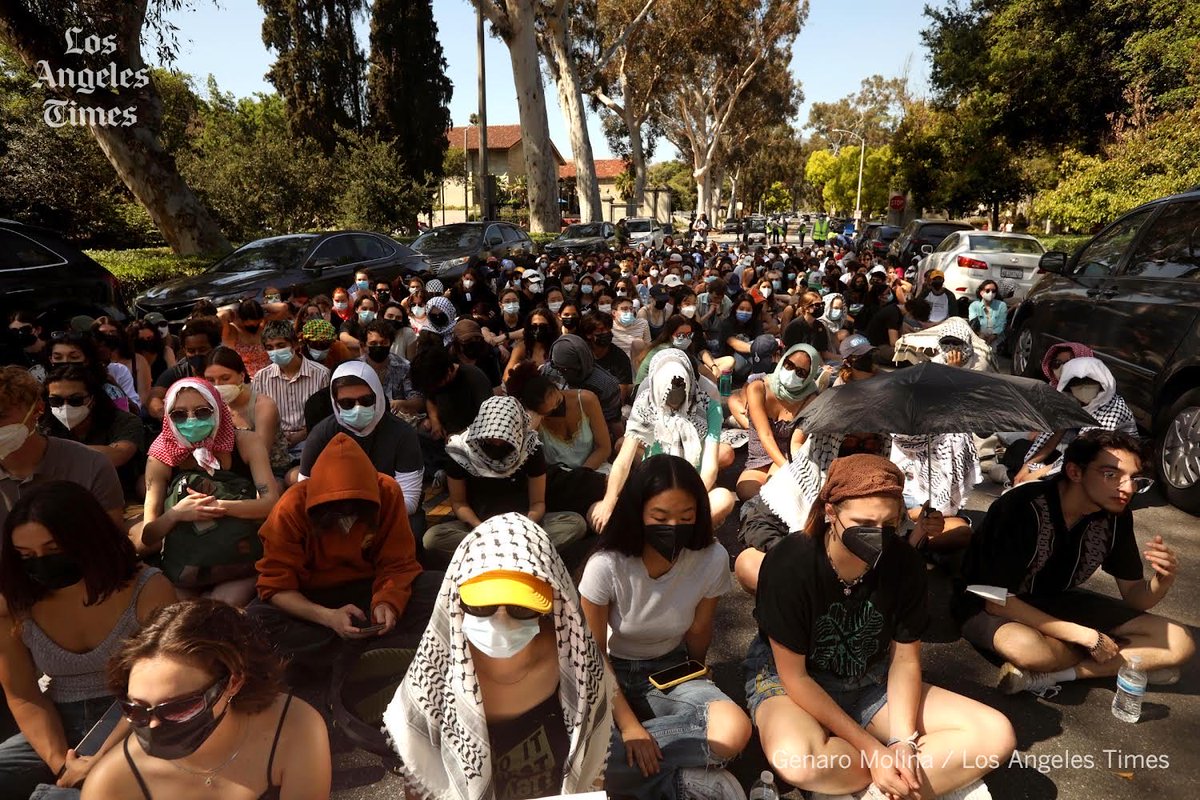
point(278, 253)
point(448, 237)
point(1006, 244)
point(638, 225)
point(758, 225)
point(583, 230)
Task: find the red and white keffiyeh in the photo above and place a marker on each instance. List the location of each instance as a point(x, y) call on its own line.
point(172, 449)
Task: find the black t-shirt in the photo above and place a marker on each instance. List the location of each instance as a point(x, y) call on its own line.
point(182, 369)
point(618, 365)
point(1024, 546)
point(887, 318)
point(529, 752)
point(732, 329)
point(801, 331)
point(458, 402)
point(354, 328)
point(490, 497)
point(393, 446)
point(846, 639)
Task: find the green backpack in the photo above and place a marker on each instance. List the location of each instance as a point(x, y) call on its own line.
point(218, 550)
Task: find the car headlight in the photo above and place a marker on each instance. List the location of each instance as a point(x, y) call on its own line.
point(445, 266)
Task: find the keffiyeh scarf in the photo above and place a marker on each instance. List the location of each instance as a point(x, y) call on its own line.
point(499, 418)
point(172, 449)
point(436, 720)
point(791, 492)
point(675, 432)
point(1108, 407)
point(810, 383)
point(941, 469)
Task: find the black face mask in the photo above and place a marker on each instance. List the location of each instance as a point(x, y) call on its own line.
point(147, 346)
point(570, 323)
point(439, 319)
point(171, 741)
point(496, 452)
point(865, 542)
point(604, 339)
point(55, 571)
point(660, 304)
point(559, 410)
point(378, 352)
point(384, 297)
point(24, 337)
point(937, 285)
point(539, 332)
point(668, 540)
point(197, 364)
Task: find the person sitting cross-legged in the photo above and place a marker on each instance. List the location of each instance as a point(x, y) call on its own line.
point(1041, 541)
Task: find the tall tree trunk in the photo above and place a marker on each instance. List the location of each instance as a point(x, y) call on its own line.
point(541, 170)
point(733, 190)
point(570, 98)
point(637, 156)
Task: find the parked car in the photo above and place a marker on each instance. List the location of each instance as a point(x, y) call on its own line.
point(452, 249)
point(1132, 294)
point(877, 240)
point(920, 233)
point(968, 258)
point(42, 272)
point(643, 230)
point(300, 264)
point(730, 226)
point(584, 237)
point(756, 229)
point(860, 235)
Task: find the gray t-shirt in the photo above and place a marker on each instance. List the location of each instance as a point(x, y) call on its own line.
point(66, 461)
point(647, 617)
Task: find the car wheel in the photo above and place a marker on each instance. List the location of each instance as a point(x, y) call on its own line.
point(1022, 353)
point(1179, 453)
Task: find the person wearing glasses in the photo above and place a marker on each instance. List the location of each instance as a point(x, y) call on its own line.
point(198, 456)
point(72, 590)
point(1041, 541)
point(204, 696)
point(507, 638)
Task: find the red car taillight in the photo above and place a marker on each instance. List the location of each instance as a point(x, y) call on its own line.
point(973, 263)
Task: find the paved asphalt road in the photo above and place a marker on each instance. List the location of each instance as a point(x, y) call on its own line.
point(1070, 747)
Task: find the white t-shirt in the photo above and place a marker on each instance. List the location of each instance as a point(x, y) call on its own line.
point(939, 306)
point(647, 617)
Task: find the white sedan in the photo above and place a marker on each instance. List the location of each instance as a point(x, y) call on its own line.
point(968, 258)
point(643, 230)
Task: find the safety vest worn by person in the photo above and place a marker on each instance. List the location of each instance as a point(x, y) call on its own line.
point(821, 230)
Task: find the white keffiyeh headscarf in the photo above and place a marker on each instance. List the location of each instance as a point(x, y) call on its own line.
point(675, 432)
point(436, 720)
point(499, 418)
point(942, 469)
point(791, 492)
point(1107, 407)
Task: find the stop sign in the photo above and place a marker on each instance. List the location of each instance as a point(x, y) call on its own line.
point(897, 202)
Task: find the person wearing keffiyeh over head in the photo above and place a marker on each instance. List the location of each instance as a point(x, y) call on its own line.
point(496, 467)
point(671, 414)
point(507, 659)
point(198, 436)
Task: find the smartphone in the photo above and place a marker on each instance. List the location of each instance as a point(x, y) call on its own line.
point(363, 627)
point(91, 743)
point(681, 673)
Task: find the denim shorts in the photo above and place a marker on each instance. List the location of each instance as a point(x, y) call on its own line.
point(862, 703)
point(647, 702)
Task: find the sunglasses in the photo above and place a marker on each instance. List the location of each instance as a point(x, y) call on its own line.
point(75, 400)
point(516, 612)
point(179, 416)
point(347, 403)
point(173, 711)
point(803, 373)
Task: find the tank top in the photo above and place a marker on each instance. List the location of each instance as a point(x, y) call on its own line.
point(82, 676)
point(573, 452)
point(278, 455)
point(272, 792)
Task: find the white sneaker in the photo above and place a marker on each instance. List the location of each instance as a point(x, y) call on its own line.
point(1013, 680)
point(972, 791)
point(701, 783)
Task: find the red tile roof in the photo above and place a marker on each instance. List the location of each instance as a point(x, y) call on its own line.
point(606, 168)
point(500, 137)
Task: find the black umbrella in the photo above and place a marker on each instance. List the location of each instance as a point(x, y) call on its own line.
point(930, 398)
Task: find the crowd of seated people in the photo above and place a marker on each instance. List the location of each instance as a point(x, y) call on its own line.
point(507, 490)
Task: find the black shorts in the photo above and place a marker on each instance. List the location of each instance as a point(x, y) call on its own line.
point(1080, 606)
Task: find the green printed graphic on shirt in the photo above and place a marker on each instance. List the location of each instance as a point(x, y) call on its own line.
point(845, 639)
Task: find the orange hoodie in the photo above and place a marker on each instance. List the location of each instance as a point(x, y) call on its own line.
point(296, 557)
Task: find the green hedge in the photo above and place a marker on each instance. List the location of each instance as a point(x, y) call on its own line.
point(139, 270)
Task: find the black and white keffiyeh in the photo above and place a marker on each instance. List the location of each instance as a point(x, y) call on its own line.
point(1107, 407)
point(436, 719)
point(499, 418)
point(942, 469)
point(676, 433)
point(791, 492)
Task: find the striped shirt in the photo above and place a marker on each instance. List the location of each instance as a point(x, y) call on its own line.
point(290, 394)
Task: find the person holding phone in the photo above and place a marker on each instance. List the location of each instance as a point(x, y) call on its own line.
point(72, 590)
point(650, 593)
point(204, 695)
point(834, 676)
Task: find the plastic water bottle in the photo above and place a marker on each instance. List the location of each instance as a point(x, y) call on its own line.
point(764, 788)
point(1131, 688)
point(725, 386)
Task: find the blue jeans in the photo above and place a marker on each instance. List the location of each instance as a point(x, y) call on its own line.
point(676, 718)
point(22, 769)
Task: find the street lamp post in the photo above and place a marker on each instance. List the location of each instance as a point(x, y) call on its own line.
point(862, 155)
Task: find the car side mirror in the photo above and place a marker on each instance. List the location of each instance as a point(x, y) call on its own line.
point(926, 249)
point(1054, 261)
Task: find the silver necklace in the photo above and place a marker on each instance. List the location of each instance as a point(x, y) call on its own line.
point(209, 774)
point(847, 586)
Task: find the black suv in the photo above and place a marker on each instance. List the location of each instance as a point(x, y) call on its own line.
point(41, 272)
point(299, 264)
point(451, 249)
point(1132, 294)
point(584, 238)
point(919, 233)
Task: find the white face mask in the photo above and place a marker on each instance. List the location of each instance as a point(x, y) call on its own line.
point(13, 436)
point(604, 308)
point(765, 292)
point(70, 416)
point(688, 311)
point(499, 637)
point(653, 273)
point(418, 311)
point(790, 379)
point(556, 307)
point(987, 296)
point(1085, 393)
point(468, 283)
point(229, 392)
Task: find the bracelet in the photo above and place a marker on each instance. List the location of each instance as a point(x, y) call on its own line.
point(1096, 646)
point(910, 741)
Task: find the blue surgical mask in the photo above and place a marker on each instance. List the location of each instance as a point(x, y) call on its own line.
point(627, 317)
point(586, 288)
point(195, 430)
point(776, 285)
point(681, 342)
point(358, 417)
point(744, 316)
point(512, 308)
point(364, 285)
point(709, 278)
point(835, 314)
point(283, 356)
point(318, 355)
point(366, 317)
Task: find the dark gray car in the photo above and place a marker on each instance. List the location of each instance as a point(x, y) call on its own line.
point(451, 249)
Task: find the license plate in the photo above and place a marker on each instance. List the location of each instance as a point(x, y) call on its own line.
point(1012, 273)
